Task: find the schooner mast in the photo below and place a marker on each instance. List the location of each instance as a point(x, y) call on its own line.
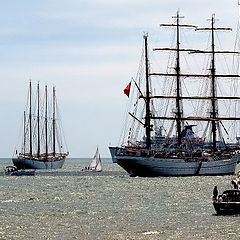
point(24, 133)
point(38, 121)
point(30, 119)
point(46, 122)
point(54, 123)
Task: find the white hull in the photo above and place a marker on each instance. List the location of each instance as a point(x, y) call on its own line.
point(23, 163)
point(149, 166)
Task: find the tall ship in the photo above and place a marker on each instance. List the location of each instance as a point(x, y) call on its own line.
point(42, 141)
point(182, 123)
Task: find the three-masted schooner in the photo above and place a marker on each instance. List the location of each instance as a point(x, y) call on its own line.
point(43, 142)
point(184, 153)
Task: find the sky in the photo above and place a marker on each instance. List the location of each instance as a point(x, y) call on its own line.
point(88, 49)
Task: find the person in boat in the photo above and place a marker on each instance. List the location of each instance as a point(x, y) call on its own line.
point(215, 193)
point(219, 198)
point(236, 181)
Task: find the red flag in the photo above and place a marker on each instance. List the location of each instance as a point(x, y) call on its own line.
point(127, 89)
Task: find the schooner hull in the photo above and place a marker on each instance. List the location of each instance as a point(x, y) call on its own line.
point(22, 163)
point(154, 167)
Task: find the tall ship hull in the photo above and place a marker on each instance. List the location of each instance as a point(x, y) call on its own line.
point(113, 151)
point(22, 163)
point(153, 167)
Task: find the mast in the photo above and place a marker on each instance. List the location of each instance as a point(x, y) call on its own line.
point(147, 98)
point(24, 133)
point(213, 89)
point(214, 111)
point(177, 74)
point(30, 119)
point(213, 118)
point(54, 123)
point(46, 123)
point(178, 86)
point(38, 122)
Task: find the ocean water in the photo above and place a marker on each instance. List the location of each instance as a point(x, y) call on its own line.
point(67, 204)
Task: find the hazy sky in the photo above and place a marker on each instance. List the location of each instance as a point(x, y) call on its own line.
point(89, 49)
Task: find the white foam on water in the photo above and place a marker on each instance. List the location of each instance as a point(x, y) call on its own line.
point(150, 233)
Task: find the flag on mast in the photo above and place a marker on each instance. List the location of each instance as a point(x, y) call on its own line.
point(127, 89)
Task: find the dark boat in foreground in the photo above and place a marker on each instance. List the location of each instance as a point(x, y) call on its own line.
point(228, 202)
point(13, 171)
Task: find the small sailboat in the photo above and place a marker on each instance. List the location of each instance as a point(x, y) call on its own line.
point(96, 164)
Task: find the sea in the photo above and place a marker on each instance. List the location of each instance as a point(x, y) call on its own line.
point(71, 204)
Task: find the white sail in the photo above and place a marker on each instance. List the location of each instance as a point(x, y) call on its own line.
point(99, 164)
point(94, 161)
point(95, 164)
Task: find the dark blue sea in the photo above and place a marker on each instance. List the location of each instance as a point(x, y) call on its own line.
point(69, 204)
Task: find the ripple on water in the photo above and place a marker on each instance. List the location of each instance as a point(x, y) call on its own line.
point(112, 205)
